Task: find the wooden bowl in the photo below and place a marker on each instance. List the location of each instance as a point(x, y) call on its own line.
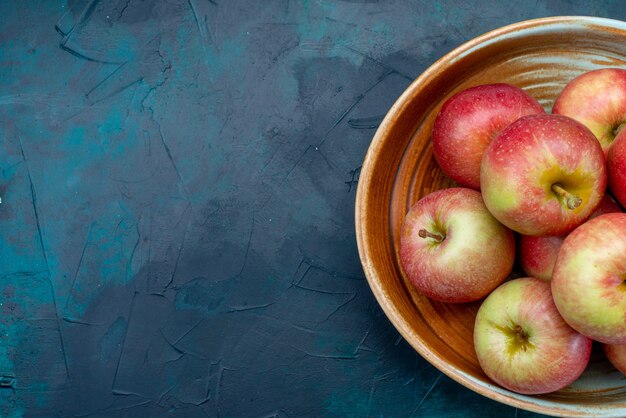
point(540, 56)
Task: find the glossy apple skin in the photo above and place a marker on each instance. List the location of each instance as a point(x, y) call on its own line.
point(469, 120)
point(554, 356)
point(588, 279)
point(476, 255)
point(538, 254)
point(616, 355)
point(530, 156)
point(616, 168)
point(597, 99)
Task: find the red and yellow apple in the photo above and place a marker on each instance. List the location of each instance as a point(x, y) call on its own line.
point(597, 99)
point(588, 279)
point(543, 175)
point(469, 120)
point(452, 249)
point(523, 344)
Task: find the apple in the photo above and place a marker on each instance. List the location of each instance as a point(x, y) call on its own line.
point(469, 120)
point(588, 279)
point(597, 99)
point(543, 175)
point(523, 344)
point(537, 255)
point(616, 168)
point(452, 249)
point(616, 355)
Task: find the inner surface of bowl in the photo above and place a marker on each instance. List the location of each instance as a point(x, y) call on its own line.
point(540, 56)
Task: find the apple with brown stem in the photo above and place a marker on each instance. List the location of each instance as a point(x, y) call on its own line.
point(543, 175)
point(452, 249)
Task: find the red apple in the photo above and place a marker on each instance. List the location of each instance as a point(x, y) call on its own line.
point(616, 168)
point(469, 120)
point(543, 175)
point(588, 279)
point(523, 344)
point(616, 355)
point(538, 254)
point(597, 99)
point(452, 249)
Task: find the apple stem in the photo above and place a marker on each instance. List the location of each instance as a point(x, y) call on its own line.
point(521, 335)
point(572, 201)
point(427, 234)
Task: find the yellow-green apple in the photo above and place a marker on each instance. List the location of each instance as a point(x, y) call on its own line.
point(597, 99)
point(469, 120)
point(537, 255)
point(452, 249)
point(616, 168)
point(523, 344)
point(588, 279)
point(543, 175)
point(616, 355)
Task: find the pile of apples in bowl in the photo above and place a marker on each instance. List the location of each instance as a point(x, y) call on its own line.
point(542, 197)
point(543, 176)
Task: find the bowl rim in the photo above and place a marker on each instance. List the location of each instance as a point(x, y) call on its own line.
point(488, 390)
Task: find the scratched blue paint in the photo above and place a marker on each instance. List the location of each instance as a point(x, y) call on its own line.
point(257, 345)
point(111, 244)
point(25, 299)
point(201, 294)
point(111, 340)
point(353, 402)
point(288, 83)
point(112, 125)
point(217, 59)
point(315, 27)
point(20, 245)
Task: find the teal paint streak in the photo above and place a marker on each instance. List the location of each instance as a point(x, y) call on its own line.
point(109, 252)
point(315, 26)
point(321, 27)
point(20, 248)
point(111, 341)
point(218, 59)
point(80, 175)
point(352, 402)
point(288, 84)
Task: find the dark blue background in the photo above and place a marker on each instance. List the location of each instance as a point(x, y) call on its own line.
point(178, 182)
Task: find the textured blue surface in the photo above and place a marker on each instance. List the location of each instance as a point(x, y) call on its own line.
point(178, 182)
